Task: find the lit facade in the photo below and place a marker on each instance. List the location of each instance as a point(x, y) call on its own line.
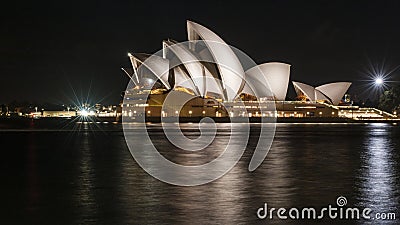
point(332, 92)
point(216, 91)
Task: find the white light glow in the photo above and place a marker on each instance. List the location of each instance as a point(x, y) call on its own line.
point(378, 81)
point(84, 112)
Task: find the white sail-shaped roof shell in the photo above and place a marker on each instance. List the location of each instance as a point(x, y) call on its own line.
point(198, 72)
point(276, 74)
point(249, 87)
point(334, 91)
point(257, 85)
point(156, 64)
point(307, 90)
point(320, 96)
point(184, 80)
point(230, 68)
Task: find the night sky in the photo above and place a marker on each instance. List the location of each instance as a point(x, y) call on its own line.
point(51, 49)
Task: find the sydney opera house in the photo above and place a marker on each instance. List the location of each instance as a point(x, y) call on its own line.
point(207, 77)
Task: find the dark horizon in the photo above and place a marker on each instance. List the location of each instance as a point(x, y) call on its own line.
point(50, 50)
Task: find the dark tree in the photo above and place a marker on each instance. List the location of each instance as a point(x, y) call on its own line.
point(390, 99)
point(3, 110)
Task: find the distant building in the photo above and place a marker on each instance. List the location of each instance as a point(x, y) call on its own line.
point(59, 113)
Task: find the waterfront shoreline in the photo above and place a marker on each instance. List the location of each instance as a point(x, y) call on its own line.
point(23, 122)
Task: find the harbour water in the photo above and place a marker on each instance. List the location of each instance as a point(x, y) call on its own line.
point(86, 175)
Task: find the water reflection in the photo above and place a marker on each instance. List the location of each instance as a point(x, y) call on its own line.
point(92, 178)
point(84, 197)
point(378, 188)
point(33, 186)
